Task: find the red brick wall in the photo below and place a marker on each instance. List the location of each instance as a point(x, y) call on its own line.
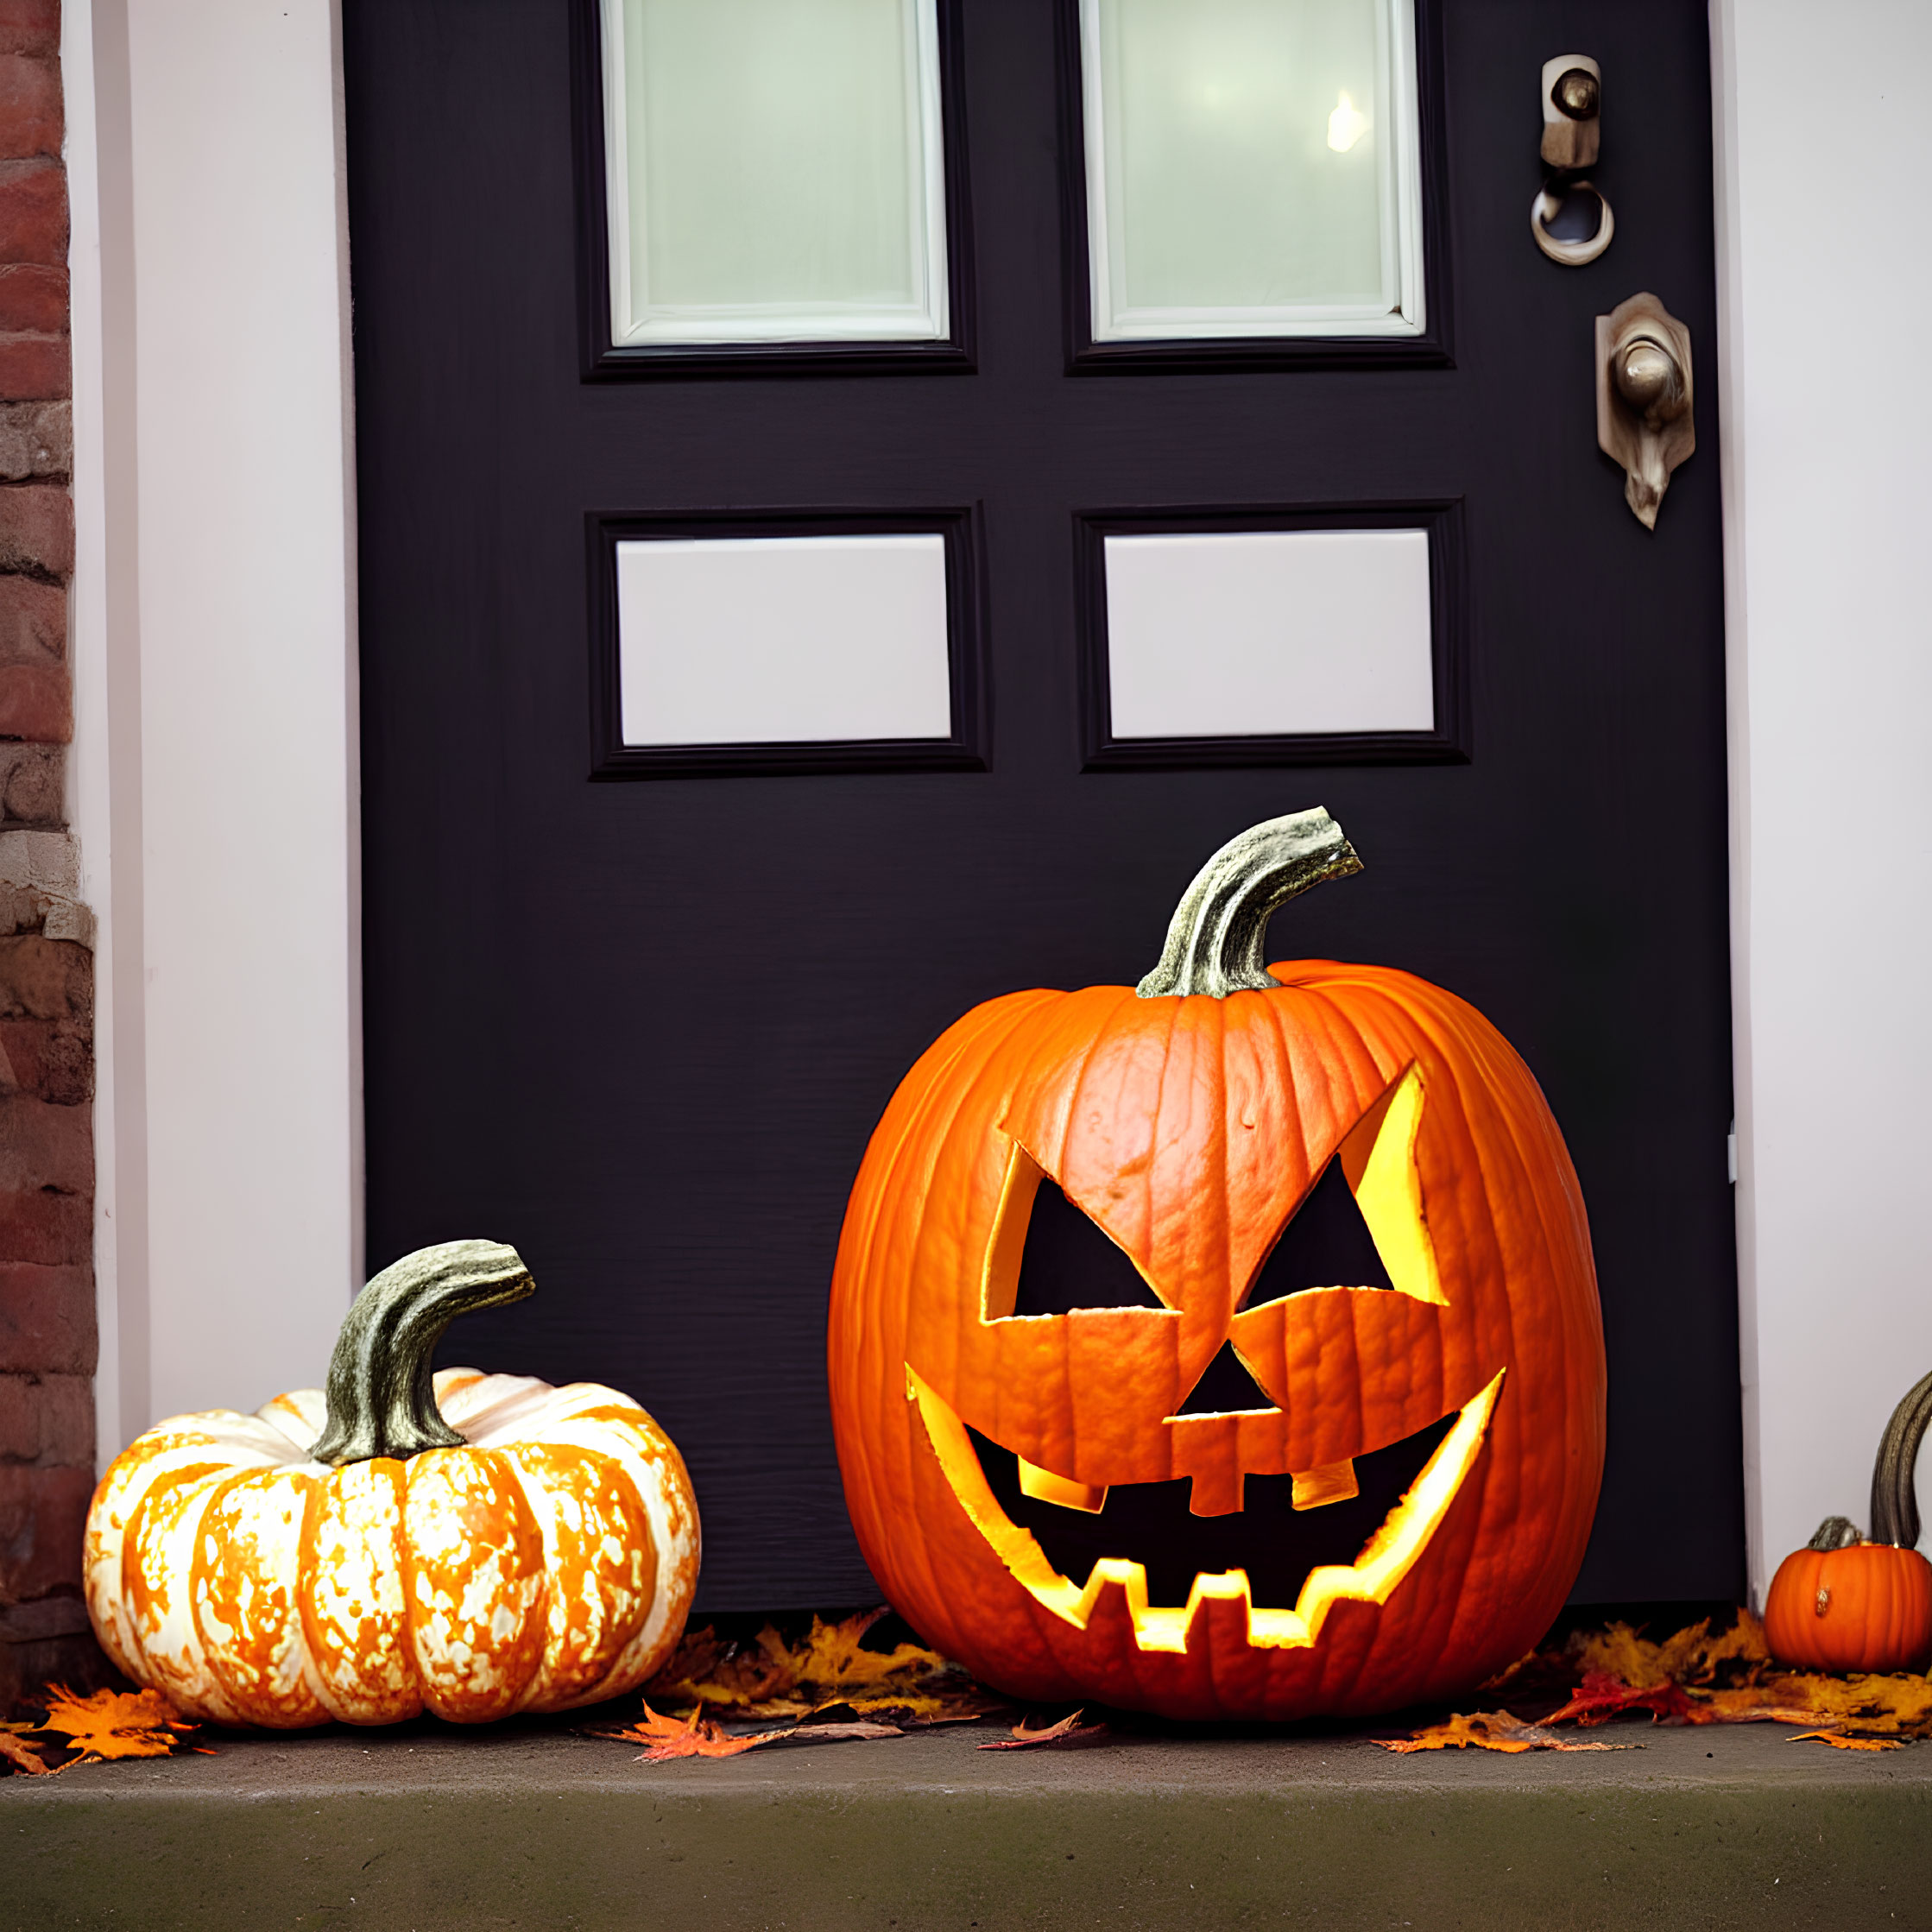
point(46, 980)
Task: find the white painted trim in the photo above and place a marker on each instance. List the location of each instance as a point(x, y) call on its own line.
point(1743, 1168)
point(1825, 393)
point(214, 770)
point(104, 769)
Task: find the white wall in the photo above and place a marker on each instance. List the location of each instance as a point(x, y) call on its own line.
point(1827, 396)
point(215, 786)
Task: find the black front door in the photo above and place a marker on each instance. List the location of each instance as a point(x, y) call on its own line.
point(634, 1001)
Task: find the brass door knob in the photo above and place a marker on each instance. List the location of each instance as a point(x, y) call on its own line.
point(1643, 399)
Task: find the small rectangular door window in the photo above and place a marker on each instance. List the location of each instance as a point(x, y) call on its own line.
point(774, 171)
point(750, 639)
point(1252, 168)
point(1282, 633)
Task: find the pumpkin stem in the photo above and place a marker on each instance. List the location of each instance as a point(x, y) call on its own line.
point(1215, 938)
point(381, 1399)
point(1894, 1499)
point(1835, 1532)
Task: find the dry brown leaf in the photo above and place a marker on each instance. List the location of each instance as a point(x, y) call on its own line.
point(1069, 1732)
point(1743, 1643)
point(1903, 1699)
point(827, 1733)
point(14, 1752)
point(829, 1668)
point(1693, 1655)
point(831, 1657)
point(1754, 1707)
point(1491, 1731)
point(113, 1724)
point(1511, 1672)
point(705, 1670)
point(1848, 1744)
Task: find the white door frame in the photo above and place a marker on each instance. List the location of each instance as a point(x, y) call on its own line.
point(214, 770)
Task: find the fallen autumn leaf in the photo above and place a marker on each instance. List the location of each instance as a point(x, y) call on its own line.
point(115, 1724)
point(1069, 1732)
point(1491, 1731)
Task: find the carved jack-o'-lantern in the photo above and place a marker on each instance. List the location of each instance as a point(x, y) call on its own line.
point(1223, 1487)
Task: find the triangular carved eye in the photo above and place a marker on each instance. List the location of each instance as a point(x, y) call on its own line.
point(1067, 1263)
point(1326, 1245)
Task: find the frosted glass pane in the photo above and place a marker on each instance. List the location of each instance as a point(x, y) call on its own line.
point(1254, 632)
point(775, 170)
point(782, 640)
point(1251, 167)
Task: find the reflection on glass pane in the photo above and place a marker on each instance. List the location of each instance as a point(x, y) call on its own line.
point(1251, 167)
point(774, 171)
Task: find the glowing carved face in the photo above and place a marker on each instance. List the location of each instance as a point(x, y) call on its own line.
point(1141, 1357)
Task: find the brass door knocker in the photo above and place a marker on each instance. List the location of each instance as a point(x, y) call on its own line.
point(1572, 136)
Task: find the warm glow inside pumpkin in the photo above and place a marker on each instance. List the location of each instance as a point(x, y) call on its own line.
point(1010, 1471)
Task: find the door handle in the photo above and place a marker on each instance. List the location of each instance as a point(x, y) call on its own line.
point(1644, 397)
point(1572, 137)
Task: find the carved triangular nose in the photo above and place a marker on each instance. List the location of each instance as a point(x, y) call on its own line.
point(1226, 1386)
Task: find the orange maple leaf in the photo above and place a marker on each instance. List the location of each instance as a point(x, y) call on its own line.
point(1490, 1731)
point(695, 1736)
point(117, 1724)
point(698, 1737)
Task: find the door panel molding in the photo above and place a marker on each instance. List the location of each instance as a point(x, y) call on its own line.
point(1448, 743)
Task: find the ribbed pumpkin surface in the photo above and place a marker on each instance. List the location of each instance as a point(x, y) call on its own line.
point(1867, 1607)
point(549, 1563)
point(1188, 1128)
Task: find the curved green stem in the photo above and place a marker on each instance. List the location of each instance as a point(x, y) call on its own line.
point(1894, 1499)
point(381, 1398)
point(1215, 938)
point(1835, 1532)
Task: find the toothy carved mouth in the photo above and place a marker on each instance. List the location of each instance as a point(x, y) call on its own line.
point(1387, 1556)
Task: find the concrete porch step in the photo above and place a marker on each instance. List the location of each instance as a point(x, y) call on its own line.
point(427, 1827)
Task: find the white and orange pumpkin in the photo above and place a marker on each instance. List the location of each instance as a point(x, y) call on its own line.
point(467, 1545)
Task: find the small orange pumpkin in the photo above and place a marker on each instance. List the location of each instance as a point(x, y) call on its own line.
point(1844, 1603)
point(468, 1544)
point(1394, 1501)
